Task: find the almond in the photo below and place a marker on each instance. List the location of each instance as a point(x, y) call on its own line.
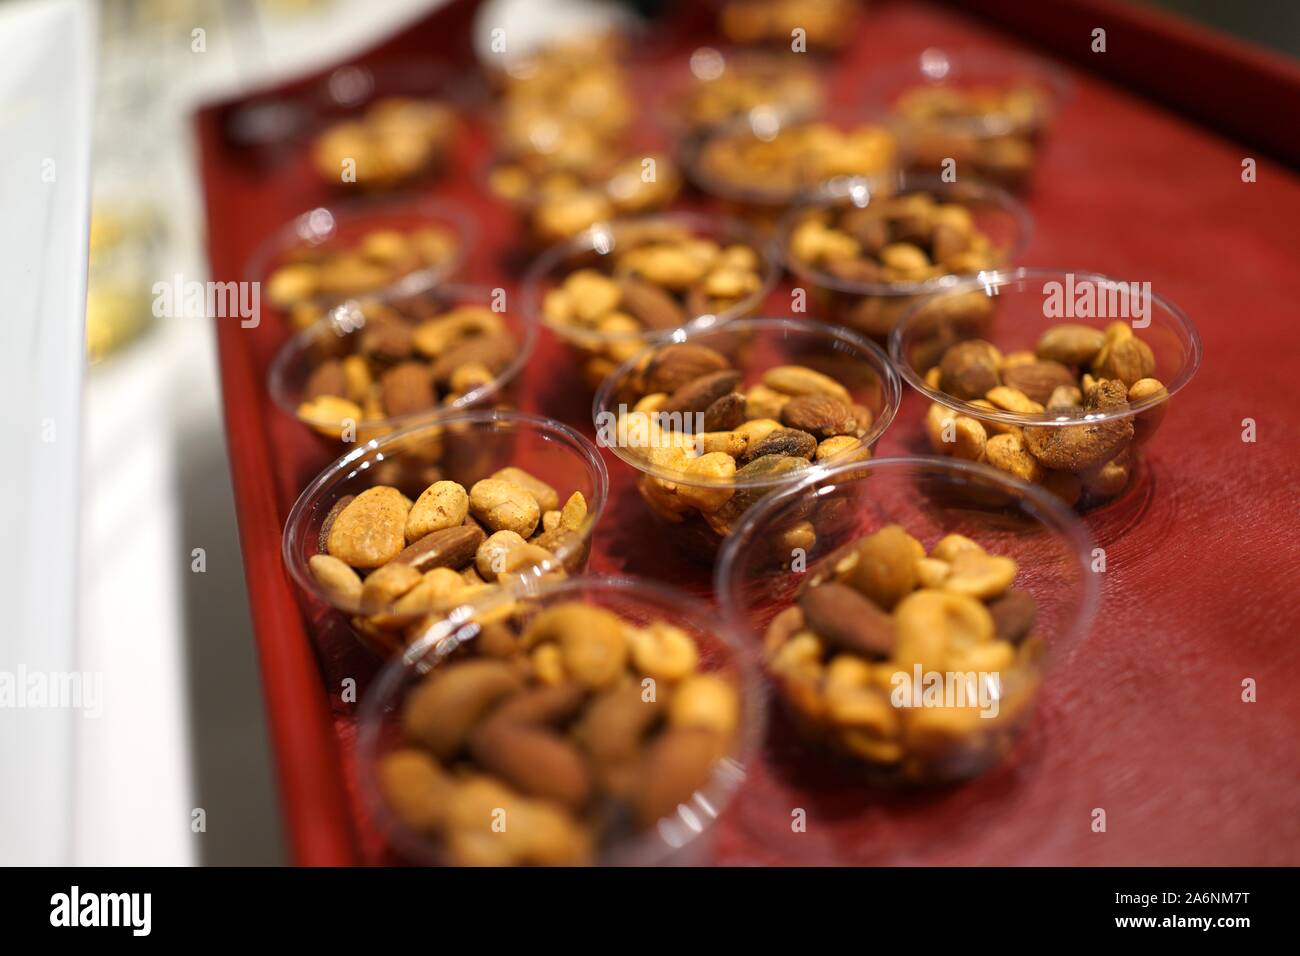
point(323, 537)
point(677, 764)
point(407, 389)
point(1039, 380)
point(675, 365)
point(726, 413)
point(699, 394)
point(844, 618)
point(371, 530)
point(819, 415)
point(1013, 615)
point(447, 548)
point(1070, 344)
point(968, 370)
point(325, 379)
point(788, 442)
point(493, 352)
point(533, 761)
point(442, 711)
point(651, 305)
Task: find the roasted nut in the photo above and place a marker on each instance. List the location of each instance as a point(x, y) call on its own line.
point(1039, 381)
point(698, 394)
point(385, 585)
point(705, 701)
point(534, 761)
point(819, 415)
point(650, 305)
point(1013, 400)
point(1070, 344)
point(664, 652)
point(675, 365)
point(1079, 447)
point(1129, 360)
point(440, 713)
point(678, 763)
point(615, 723)
point(954, 434)
point(844, 618)
point(504, 506)
point(371, 530)
point(969, 370)
point(951, 545)
point(1008, 453)
point(764, 402)
point(407, 389)
point(789, 442)
point(979, 575)
point(444, 504)
point(839, 445)
point(490, 560)
point(592, 641)
point(1013, 615)
point(339, 581)
point(547, 498)
point(447, 548)
point(930, 622)
point(886, 566)
point(726, 413)
point(417, 788)
point(798, 380)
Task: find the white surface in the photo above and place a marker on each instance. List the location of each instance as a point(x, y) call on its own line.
point(46, 76)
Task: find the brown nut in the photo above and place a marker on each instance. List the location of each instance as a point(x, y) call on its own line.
point(931, 624)
point(650, 305)
point(613, 726)
point(675, 365)
point(820, 415)
point(843, 618)
point(446, 548)
point(886, 566)
point(532, 760)
point(1129, 360)
point(787, 442)
point(698, 394)
point(548, 499)
point(798, 380)
point(504, 506)
point(678, 763)
point(326, 379)
point(969, 369)
point(1079, 447)
point(1070, 344)
point(1008, 453)
point(552, 705)
point(407, 389)
point(371, 530)
point(440, 713)
point(417, 789)
point(1013, 615)
point(444, 504)
point(1039, 380)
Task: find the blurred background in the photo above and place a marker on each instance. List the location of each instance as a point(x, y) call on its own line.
point(177, 644)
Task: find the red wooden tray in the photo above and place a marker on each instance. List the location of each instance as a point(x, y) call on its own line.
point(1200, 592)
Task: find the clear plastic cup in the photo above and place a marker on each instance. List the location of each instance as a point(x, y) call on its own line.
point(298, 289)
point(339, 334)
point(873, 308)
point(1096, 453)
point(599, 353)
point(716, 86)
point(757, 578)
point(742, 164)
point(928, 95)
point(752, 346)
point(464, 448)
point(684, 837)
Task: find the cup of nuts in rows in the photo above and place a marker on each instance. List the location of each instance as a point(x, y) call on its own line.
point(588, 721)
point(867, 254)
point(440, 515)
point(769, 161)
point(1058, 378)
point(621, 286)
point(720, 87)
point(560, 204)
point(385, 127)
point(909, 637)
point(372, 366)
point(715, 422)
point(364, 247)
point(825, 25)
point(985, 112)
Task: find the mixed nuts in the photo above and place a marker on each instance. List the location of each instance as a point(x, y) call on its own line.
point(1075, 373)
point(401, 358)
point(395, 564)
point(878, 619)
point(661, 276)
point(396, 140)
point(554, 731)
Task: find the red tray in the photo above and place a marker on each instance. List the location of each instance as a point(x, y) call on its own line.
point(1148, 722)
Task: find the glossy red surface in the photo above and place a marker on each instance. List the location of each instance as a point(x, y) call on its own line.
point(1200, 588)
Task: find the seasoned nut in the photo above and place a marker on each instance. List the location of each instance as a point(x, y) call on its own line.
point(330, 415)
point(844, 618)
point(979, 575)
point(707, 702)
point(664, 652)
point(1008, 453)
point(591, 640)
point(444, 504)
point(371, 531)
point(504, 506)
point(798, 380)
point(1128, 360)
point(886, 568)
point(447, 548)
point(839, 445)
point(698, 394)
point(490, 560)
point(445, 707)
point(764, 402)
point(339, 581)
point(1070, 344)
point(968, 370)
point(819, 415)
point(650, 305)
point(954, 434)
point(433, 592)
point(548, 499)
point(407, 389)
point(1065, 397)
point(715, 467)
point(1148, 421)
point(574, 514)
point(951, 545)
point(726, 413)
point(789, 442)
point(1013, 400)
point(1079, 447)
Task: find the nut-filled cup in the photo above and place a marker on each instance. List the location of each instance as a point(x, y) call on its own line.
point(715, 422)
point(587, 721)
point(440, 515)
point(1057, 377)
point(910, 636)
